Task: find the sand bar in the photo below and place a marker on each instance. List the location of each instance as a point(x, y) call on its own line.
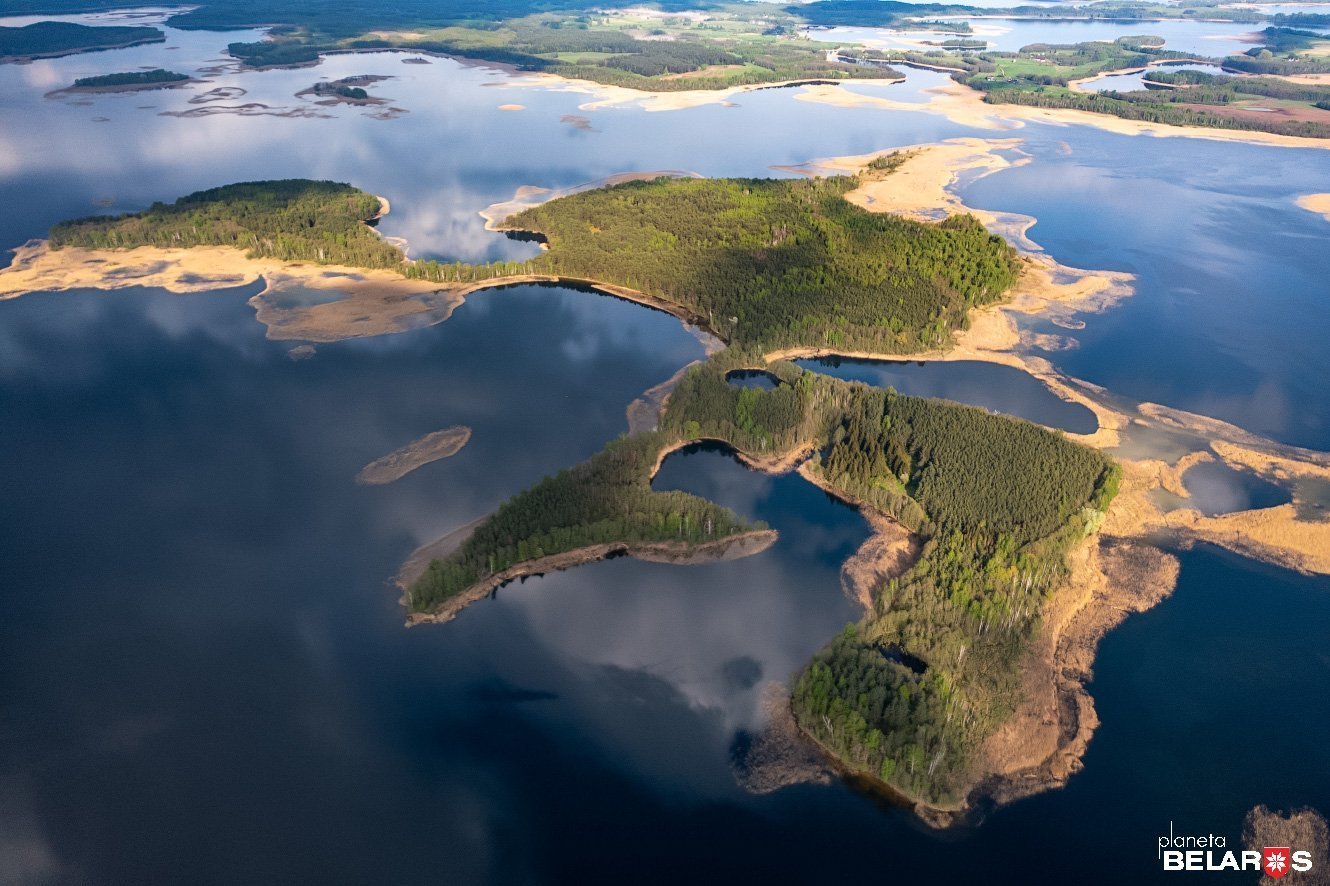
point(1317, 203)
point(416, 454)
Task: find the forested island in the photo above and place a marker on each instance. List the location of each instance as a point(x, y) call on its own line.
point(290, 219)
point(158, 78)
point(762, 262)
point(350, 90)
point(54, 39)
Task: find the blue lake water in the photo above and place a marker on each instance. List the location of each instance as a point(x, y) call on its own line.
point(1136, 81)
point(997, 388)
point(203, 672)
point(1215, 488)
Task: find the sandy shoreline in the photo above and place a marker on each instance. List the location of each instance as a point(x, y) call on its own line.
point(1317, 203)
point(1042, 745)
point(965, 106)
point(360, 303)
point(1075, 85)
point(606, 96)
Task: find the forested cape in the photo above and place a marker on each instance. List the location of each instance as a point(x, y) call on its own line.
point(607, 499)
point(764, 262)
point(908, 694)
point(61, 38)
point(778, 262)
point(291, 220)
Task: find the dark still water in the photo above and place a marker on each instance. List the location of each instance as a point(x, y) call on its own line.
point(989, 386)
point(204, 677)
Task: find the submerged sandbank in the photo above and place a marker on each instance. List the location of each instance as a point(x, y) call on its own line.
point(348, 303)
point(416, 454)
point(352, 302)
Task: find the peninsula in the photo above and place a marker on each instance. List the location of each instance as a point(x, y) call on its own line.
point(793, 263)
point(983, 586)
point(55, 39)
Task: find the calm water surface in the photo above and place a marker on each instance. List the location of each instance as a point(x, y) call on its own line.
point(203, 673)
point(1136, 81)
point(994, 387)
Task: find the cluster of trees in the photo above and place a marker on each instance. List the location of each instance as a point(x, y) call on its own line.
point(43, 39)
point(131, 78)
point(292, 220)
point(1053, 64)
point(1283, 51)
point(655, 57)
point(565, 44)
point(341, 90)
point(607, 499)
point(762, 262)
point(1300, 20)
point(336, 19)
point(1217, 89)
point(894, 14)
point(778, 262)
point(908, 695)
point(1146, 106)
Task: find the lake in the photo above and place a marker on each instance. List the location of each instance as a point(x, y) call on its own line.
point(203, 669)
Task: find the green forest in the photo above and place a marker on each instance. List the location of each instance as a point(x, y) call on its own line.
point(778, 262)
point(1169, 108)
point(1039, 75)
point(131, 78)
point(45, 39)
point(291, 220)
point(909, 693)
point(607, 499)
point(766, 262)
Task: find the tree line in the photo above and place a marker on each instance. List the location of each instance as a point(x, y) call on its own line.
point(778, 262)
point(606, 499)
point(909, 694)
point(131, 78)
point(290, 220)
